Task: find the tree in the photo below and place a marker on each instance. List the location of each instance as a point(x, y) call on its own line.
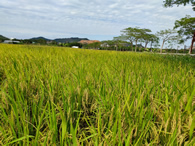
point(167, 35)
point(95, 45)
point(119, 40)
point(186, 28)
point(108, 44)
point(153, 39)
point(129, 33)
point(171, 44)
point(133, 35)
point(149, 38)
point(136, 34)
point(170, 3)
point(145, 36)
point(27, 41)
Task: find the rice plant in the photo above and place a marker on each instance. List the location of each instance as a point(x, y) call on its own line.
point(64, 96)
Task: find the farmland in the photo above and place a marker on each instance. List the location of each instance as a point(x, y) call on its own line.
point(64, 96)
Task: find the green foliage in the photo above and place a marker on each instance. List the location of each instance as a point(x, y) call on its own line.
point(119, 42)
point(170, 3)
point(139, 35)
point(168, 35)
point(64, 96)
point(27, 41)
point(73, 44)
point(2, 38)
point(40, 41)
point(95, 45)
point(186, 27)
point(135, 33)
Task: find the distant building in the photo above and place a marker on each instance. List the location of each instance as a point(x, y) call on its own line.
point(49, 42)
point(11, 42)
point(7, 42)
point(75, 46)
point(105, 45)
point(88, 41)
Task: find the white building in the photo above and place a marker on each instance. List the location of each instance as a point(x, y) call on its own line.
point(11, 42)
point(75, 46)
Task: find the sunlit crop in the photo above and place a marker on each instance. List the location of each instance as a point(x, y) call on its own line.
point(64, 96)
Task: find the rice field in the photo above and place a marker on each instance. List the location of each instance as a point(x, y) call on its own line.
point(64, 96)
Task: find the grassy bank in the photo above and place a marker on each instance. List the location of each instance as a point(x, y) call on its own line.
point(65, 96)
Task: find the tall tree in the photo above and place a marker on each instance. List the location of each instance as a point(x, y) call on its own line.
point(149, 38)
point(186, 28)
point(166, 35)
point(133, 35)
point(107, 44)
point(137, 35)
point(145, 36)
point(129, 33)
point(153, 39)
point(170, 3)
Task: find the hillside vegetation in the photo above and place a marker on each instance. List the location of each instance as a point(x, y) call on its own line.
point(2, 38)
point(65, 96)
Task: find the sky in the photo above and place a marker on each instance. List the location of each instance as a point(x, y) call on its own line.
point(92, 19)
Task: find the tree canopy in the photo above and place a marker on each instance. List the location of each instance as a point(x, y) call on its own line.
point(170, 3)
point(167, 35)
point(186, 26)
point(137, 34)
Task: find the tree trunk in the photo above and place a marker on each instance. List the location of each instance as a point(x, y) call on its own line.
point(151, 46)
point(136, 46)
point(162, 46)
point(132, 45)
point(146, 45)
point(193, 40)
point(140, 48)
point(177, 49)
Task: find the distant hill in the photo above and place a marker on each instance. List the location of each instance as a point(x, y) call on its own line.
point(38, 38)
point(69, 40)
point(61, 40)
point(41, 39)
point(3, 38)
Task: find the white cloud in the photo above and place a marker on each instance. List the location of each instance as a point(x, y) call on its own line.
point(97, 19)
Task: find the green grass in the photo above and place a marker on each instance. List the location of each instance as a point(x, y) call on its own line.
point(64, 96)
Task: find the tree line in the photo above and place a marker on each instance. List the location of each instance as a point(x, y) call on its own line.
point(183, 30)
point(186, 25)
